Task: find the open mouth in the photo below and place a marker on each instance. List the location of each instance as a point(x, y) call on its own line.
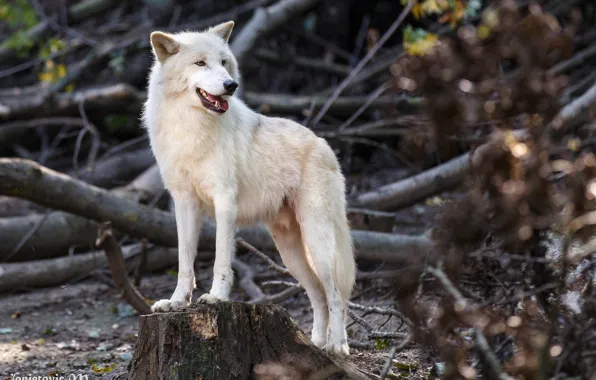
point(212, 102)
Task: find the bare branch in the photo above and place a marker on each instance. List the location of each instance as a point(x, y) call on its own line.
point(391, 356)
point(577, 106)
point(107, 242)
point(363, 62)
point(29, 180)
point(462, 305)
point(272, 264)
point(247, 280)
point(265, 20)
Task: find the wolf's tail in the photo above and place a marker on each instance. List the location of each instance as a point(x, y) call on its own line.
point(344, 266)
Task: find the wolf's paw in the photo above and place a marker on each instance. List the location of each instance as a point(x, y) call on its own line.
point(167, 305)
point(318, 340)
point(340, 349)
point(210, 299)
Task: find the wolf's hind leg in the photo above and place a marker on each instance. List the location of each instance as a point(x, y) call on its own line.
point(288, 241)
point(321, 243)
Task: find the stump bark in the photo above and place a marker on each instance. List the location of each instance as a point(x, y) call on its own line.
point(230, 340)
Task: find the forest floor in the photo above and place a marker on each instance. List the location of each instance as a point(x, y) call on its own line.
point(83, 328)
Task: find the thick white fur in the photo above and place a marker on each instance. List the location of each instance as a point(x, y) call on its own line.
point(242, 167)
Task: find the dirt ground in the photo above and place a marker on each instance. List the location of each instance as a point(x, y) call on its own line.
point(84, 328)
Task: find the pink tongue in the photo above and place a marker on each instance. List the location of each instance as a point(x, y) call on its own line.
point(223, 104)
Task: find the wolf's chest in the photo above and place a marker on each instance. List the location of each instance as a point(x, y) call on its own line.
point(186, 164)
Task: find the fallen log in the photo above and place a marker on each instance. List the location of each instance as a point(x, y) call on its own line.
point(417, 188)
point(50, 272)
point(58, 232)
point(280, 103)
point(450, 174)
point(61, 270)
point(106, 99)
point(62, 231)
point(10, 207)
point(127, 99)
point(396, 250)
point(117, 169)
point(230, 340)
point(29, 180)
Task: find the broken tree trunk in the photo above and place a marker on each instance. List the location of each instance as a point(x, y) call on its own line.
point(230, 340)
point(29, 180)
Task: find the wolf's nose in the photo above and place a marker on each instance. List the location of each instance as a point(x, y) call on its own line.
point(230, 86)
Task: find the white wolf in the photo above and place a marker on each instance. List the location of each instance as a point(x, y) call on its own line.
point(217, 157)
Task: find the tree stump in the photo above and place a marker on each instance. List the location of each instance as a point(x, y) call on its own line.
point(230, 340)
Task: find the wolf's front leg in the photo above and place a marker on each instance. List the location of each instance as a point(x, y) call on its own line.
point(189, 219)
point(223, 276)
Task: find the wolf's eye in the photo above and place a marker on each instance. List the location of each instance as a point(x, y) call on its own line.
point(200, 63)
point(223, 62)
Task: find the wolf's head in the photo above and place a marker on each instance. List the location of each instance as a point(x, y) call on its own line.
point(198, 65)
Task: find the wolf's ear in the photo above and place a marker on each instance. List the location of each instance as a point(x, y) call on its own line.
point(164, 45)
point(224, 30)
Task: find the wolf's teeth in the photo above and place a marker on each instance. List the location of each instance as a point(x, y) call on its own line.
point(216, 104)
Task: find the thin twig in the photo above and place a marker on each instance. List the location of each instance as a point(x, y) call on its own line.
point(392, 354)
point(247, 280)
point(33, 123)
point(573, 109)
point(577, 59)
point(509, 256)
point(364, 61)
point(462, 305)
point(304, 62)
point(360, 40)
point(371, 128)
point(311, 37)
point(375, 275)
point(365, 141)
point(378, 310)
point(372, 332)
point(96, 138)
point(272, 264)
point(34, 62)
point(126, 144)
point(278, 297)
point(281, 283)
point(142, 262)
point(371, 98)
point(26, 237)
point(520, 296)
